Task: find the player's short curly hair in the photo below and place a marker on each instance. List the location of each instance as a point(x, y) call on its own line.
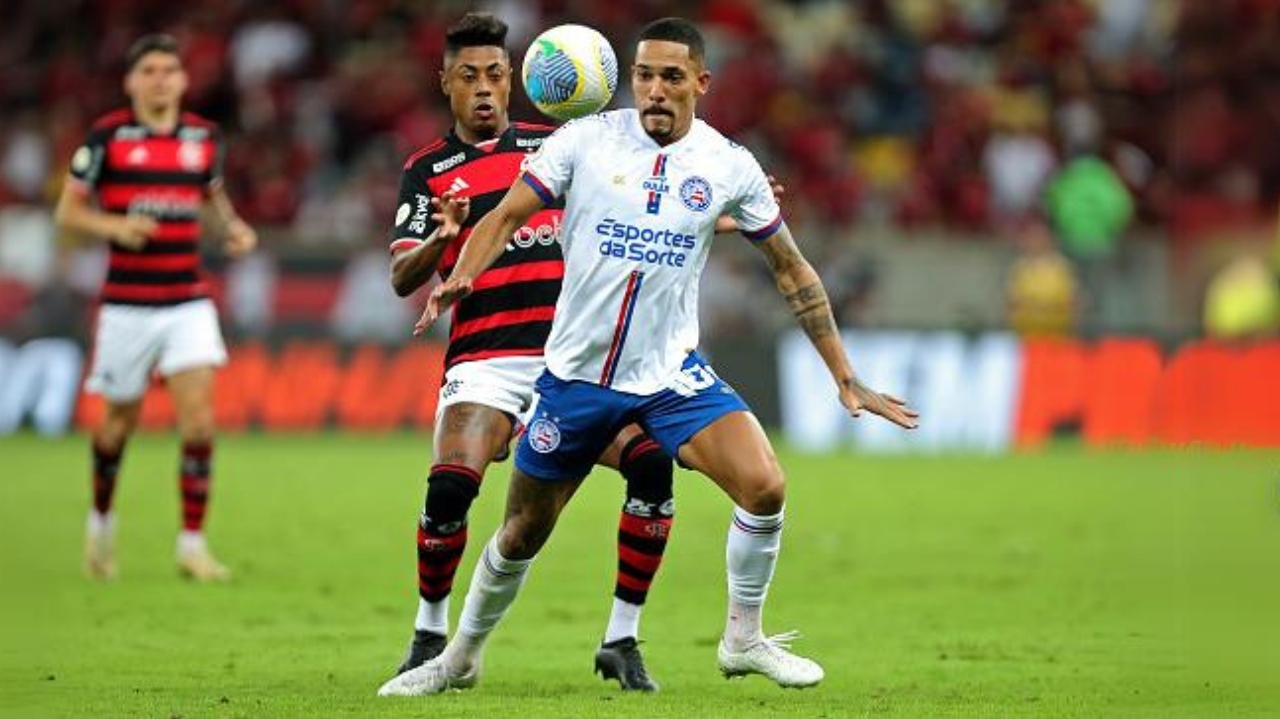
point(155, 42)
point(475, 29)
point(677, 29)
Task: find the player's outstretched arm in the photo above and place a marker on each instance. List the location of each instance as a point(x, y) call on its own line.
point(807, 298)
point(410, 269)
point(486, 242)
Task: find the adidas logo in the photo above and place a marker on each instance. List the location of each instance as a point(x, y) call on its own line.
point(458, 186)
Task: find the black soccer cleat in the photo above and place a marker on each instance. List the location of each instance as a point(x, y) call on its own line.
point(424, 647)
point(621, 660)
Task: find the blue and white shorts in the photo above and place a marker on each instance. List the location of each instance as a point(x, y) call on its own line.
point(572, 422)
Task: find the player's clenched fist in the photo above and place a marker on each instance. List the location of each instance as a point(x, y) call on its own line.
point(132, 231)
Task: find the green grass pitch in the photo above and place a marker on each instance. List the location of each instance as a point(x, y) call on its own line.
point(1061, 583)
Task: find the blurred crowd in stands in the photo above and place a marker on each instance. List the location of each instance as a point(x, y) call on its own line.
point(1054, 126)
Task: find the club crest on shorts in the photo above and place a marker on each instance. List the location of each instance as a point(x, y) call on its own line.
point(544, 435)
point(695, 193)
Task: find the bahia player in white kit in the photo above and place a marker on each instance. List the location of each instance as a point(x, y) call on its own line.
point(643, 188)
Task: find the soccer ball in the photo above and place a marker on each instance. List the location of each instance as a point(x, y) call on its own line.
point(570, 71)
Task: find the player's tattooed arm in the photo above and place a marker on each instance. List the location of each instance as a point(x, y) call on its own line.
point(800, 285)
point(805, 295)
point(410, 269)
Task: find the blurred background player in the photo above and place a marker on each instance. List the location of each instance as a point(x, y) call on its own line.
point(496, 345)
point(151, 168)
point(642, 368)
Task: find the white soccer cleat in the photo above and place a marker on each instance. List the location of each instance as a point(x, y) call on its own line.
point(433, 677)
point(100, 547)
point(770, 657)
point(195, 561)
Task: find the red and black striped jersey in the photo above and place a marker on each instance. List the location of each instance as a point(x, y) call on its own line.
point(510, 308)
point(134, 169)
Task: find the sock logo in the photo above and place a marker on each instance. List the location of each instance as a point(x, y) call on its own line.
point(638, 508)
point(657, 530)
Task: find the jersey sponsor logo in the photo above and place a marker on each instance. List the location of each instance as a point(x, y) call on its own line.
point(644, 244)
point(422, 210)
point(451, 388)
point(458, 185)
point(657, 184)
point(529, 142)
point(695, 193)
point(193, 134)
point(528, 236)
point(448, 162)
point(130, 132)
point(544, 435)
point(164, 205)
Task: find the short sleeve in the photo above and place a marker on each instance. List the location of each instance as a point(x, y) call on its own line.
point(219, 158)
point(756, 209)
point(87, 160)
point(413, 223)
point(549, 171)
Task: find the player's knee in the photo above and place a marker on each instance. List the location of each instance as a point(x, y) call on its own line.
point(522, 536)
point(119, 423)
point(450, 493)
point(200, 429)
point(648, 471)
point(763, 492)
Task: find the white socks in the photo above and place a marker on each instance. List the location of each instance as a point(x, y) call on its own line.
point(191, 542)
point(100, 524)
point(751, 553)
point(433, 616)
point(494, 586)
point(624, 621)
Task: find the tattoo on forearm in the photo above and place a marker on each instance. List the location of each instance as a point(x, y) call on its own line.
point(806, 299)
point(813, 310)
point(784, 255)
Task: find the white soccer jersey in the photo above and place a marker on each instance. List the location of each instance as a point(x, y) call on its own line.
point(638, 223)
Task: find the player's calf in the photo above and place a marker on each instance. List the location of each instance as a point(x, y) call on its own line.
point(442, 528)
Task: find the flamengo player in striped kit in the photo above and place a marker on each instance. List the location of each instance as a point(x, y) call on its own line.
point(496, 345)
point(643, 188)
point(152, 167)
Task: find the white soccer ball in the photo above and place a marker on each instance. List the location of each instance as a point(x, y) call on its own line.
point(570, 71)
